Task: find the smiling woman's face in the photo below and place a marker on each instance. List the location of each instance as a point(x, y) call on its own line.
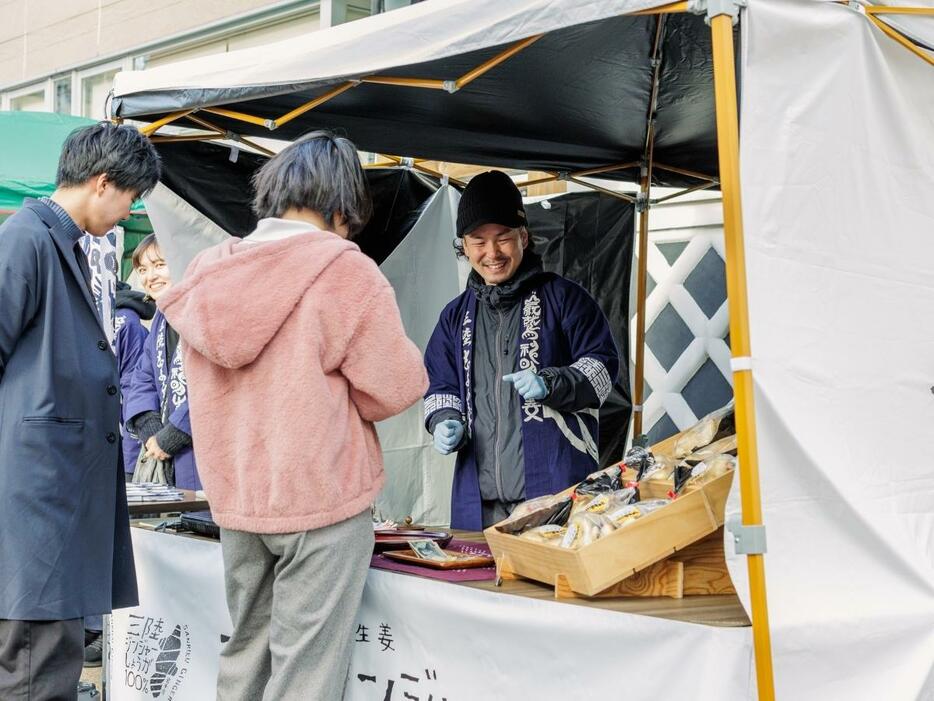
point(153, 272)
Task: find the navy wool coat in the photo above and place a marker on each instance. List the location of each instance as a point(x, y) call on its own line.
point(64, 532)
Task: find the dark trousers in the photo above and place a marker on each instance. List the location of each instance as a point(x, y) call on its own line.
point(40, 660)
point(493, 511)
point(94, 623)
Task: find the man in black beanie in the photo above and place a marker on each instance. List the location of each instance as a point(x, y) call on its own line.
point(519, 364)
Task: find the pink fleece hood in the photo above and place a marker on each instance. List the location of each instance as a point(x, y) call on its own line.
point(232, 306)
point(292, 347)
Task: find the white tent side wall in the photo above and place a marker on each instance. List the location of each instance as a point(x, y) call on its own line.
point(423, 271)
point(837, 148)
point(181, 230)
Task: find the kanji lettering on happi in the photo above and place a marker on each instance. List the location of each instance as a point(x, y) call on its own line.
point(361, 634)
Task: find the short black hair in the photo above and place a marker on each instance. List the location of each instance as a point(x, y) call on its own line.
point(122, 153)
point(320, 172)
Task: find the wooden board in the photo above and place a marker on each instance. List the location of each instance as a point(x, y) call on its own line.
point(458, 563)
point(723, 610)
point(597, 567)
point(664, 578)
point(705, 571)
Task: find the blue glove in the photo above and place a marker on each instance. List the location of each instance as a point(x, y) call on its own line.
point(448, 435)
point(528, 384)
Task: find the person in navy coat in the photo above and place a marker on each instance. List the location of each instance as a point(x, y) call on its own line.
point(65, 549)
point(156, 403)
point(132, 309)
point(519, 365)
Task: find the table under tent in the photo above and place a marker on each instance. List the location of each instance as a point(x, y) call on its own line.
point(832, 276)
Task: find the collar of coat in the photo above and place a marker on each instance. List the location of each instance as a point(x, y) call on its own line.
point(513, 290)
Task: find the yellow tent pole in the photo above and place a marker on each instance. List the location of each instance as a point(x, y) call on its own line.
point(239, 116)
point(311, 104)
point(889, 10)
point(229, 134)
point(539, 181)
point(680, 193)
point(605, 169)
point(728, 147)
point(598, 188)
point(581, 173)
point(254, 145)
point(638, 388)
point(437, 174)
point(495, 61)
point(151, 129)
point(205, 123)
point(901, 39)
point(415, 164)
point(431, 83)
point(186, 137)
point(685, 171)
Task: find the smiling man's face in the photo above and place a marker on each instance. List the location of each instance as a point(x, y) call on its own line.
point(495, 251)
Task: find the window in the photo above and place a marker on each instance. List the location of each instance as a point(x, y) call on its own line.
point(94, 92)
point(61, 95)
point(31, 102)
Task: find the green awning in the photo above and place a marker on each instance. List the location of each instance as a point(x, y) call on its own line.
point(30, 144)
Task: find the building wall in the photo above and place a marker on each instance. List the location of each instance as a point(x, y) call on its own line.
point(62, 56)
point(40, 37)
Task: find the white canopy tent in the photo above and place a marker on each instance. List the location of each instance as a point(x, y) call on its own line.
point(418, 34)
point(837, 154)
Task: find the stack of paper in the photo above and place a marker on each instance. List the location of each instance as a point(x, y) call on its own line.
point(150, 491)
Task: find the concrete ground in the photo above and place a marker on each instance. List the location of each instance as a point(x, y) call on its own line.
point(92, 674)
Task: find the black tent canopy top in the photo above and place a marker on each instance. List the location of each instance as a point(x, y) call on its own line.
point(575, 99)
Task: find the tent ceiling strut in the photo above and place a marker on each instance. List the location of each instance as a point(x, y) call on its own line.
point(450, 86)
point(893, 33)
point(642, 207)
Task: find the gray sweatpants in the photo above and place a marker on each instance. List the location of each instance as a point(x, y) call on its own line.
point(293, 600)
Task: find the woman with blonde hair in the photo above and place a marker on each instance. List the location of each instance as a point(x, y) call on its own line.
point(294, 346)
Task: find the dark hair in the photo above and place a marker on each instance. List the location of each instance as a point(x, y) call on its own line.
point(122, 153)
point(148, 242)
point(458, 245)
point(321, 172)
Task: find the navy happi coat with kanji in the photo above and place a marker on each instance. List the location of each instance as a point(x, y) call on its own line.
point(561, 326)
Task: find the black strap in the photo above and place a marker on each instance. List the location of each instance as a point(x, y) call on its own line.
point(83, 266)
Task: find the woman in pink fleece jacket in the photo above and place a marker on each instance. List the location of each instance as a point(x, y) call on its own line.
point(293, 347)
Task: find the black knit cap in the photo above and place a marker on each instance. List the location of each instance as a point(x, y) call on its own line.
point(490, 198)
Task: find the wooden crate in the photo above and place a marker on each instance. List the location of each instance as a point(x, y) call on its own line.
point(612, 564)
